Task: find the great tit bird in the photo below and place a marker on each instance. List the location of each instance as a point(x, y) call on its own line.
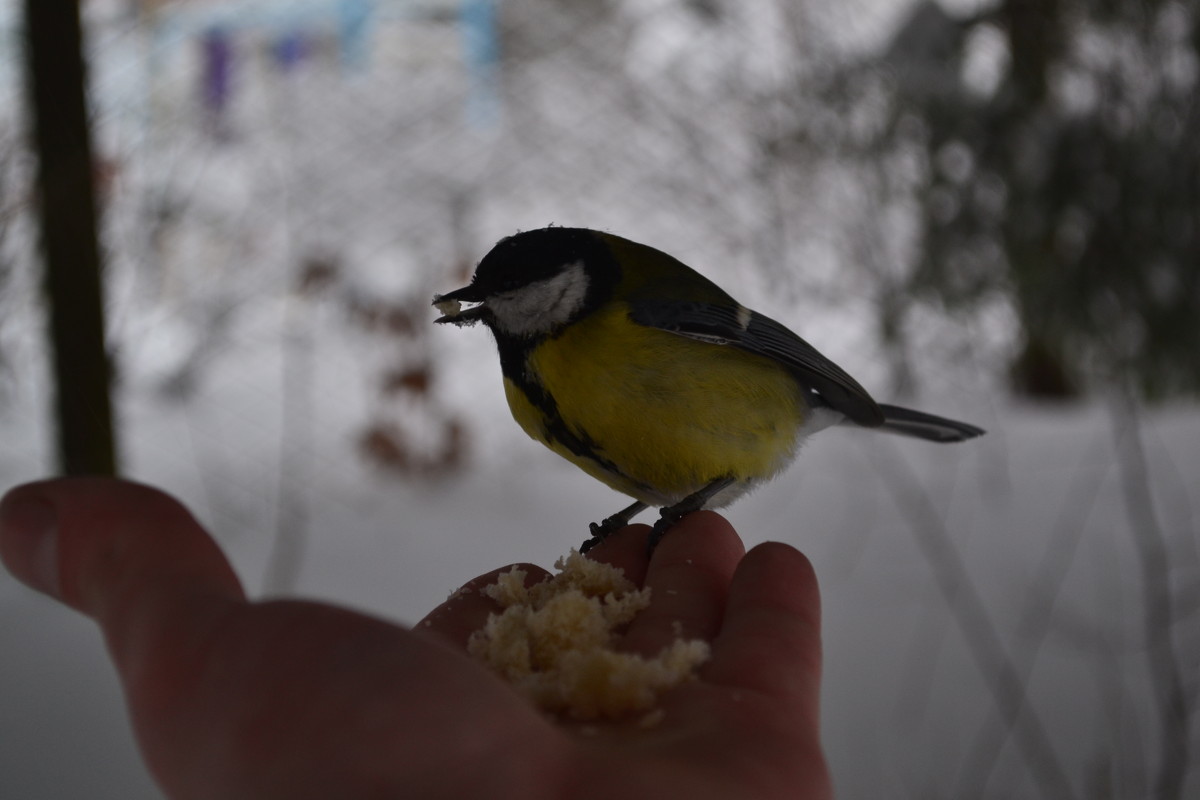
point(649, 377)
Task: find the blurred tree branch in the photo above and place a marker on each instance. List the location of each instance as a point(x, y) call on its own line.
point(1039, 613)
point(995, 665)
point(1160, 619)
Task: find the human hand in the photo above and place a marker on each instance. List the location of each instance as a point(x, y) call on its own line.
point(294, 699)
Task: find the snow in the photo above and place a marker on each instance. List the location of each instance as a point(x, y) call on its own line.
point(901, 692)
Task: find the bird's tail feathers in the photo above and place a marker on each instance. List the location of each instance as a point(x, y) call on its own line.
point(908, 422)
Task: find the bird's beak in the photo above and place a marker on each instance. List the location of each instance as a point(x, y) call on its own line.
point(450, 304)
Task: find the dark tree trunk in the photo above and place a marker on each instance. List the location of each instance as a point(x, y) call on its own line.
point(74, 292)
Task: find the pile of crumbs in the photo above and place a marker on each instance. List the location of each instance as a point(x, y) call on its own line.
point(556, 641)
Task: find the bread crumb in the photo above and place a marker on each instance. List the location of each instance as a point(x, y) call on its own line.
point(556, 641)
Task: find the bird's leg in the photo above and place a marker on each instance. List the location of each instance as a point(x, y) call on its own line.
point(601, 531)
point(693, 502)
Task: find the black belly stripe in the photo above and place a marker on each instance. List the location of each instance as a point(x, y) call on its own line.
point(556, 429)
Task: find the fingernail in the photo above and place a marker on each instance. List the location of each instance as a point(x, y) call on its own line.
point(29, 540)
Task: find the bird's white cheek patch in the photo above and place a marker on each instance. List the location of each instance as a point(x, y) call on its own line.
point(543, 306)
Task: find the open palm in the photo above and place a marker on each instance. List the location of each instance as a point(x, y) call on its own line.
point(292, 699)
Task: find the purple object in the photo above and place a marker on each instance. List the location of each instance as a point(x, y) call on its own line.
point(218, 69)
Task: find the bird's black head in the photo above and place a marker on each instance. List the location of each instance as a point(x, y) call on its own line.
point(535, 283)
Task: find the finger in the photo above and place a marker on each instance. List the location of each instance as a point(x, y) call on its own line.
point(129, 556)
point(468, 607)
point(688, 577)
point(771, 638)
point(225, 694)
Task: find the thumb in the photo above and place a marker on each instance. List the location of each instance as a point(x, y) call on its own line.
point(124, 554)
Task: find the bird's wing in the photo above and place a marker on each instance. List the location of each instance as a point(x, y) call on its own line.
point(737, 326)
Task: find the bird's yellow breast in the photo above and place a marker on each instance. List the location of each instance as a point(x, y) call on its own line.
point(669, 413)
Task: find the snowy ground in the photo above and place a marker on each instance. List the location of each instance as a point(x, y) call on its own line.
point(903, 699)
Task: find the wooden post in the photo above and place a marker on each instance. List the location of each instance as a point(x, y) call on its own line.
point(72, 277)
